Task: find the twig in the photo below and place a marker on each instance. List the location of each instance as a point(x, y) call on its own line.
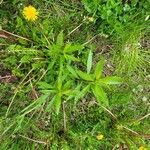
point(27, 81)
point(5, 77)
point(26, 76)
point(3, 36)
point(109, 112)
point(146, 136)
point(33, 140)
point(76, 28)
point(43, 75)
point(15, 35)
point(143, 117)
point(90, 40)
point(131, 130)
point(33, 90)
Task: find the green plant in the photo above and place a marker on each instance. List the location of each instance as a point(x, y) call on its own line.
point(96, 82)
point(127, 24)
point(116, 14)
point(63, 91)
point(57, 75)
point(129, 52)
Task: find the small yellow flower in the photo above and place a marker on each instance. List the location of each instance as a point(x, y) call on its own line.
point(91, 19)
point(100, 136)
point(30, 13)
point(142, 148)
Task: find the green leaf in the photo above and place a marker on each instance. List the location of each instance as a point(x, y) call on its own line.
point(44, 85)
point(60, 77)
point(75, 92)
point(82, 93)
point(111, 80)
point(50, 104)
point(60, 39)
point(69, 48)
point(89, 62)
point(70, 57)
point(100, 95)
point(26, 59)
point(36, 104)
point(67, 92)
point(19, 120)
point(67, 85)
point(99, 68)
point(19, 22)
point(48, 91)
point(72, 71)
point(85, 76)
point(91, 5)
point(57, 102)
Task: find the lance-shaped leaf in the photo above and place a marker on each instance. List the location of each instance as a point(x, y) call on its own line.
point(60, 39)
point(99, 68)
point(50, 104)
point(36, 104)
point(89, 62)
point(111, 80)
point(71, 57)
point(85, 76)
point(44, 85)
point(60, 78)
point(100, 95)
point(72, 71)
point(69, 48)
point(75, 92)
point(82, 93)
point(57, 102)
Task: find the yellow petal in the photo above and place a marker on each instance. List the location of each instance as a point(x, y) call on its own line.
point(30, 13)
point(100, 136)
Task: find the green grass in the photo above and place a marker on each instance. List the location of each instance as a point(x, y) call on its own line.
point(79, 71)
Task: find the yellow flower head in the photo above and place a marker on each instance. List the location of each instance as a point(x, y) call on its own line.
point(90, 19)
point(142, 148)
point(30, 13)
point(100, 136)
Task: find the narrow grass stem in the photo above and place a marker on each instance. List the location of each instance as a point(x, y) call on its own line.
point(143, 117)
point(114, 117)
point(76, 28)
point(44, 34)
point(33, 140)
point(130, 130)
point(12, 100)
point(90, 40)
point(42, 75)
point(17, 90)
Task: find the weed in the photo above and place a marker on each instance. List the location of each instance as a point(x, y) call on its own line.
point(75, 75)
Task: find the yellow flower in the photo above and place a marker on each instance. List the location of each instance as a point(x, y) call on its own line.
point(30, 13)
point(100, 136)
point(142, 148)
point(91, 19)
